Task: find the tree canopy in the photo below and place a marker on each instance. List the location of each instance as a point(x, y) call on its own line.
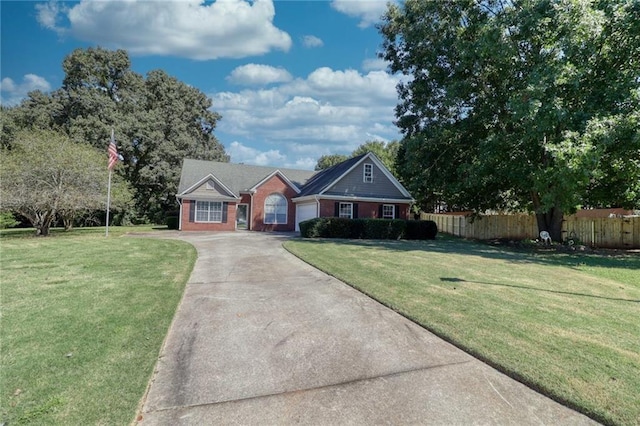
point(386, 152)
point(158, 121)
point(525, 105)
point(46, 176)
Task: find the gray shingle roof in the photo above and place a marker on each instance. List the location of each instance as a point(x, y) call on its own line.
point(326, 177)
point(237, 177)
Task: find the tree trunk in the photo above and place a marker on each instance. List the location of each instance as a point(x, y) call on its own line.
point(42, 223)
point(551, 221)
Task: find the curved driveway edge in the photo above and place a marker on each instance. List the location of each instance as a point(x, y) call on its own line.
point(262, 338)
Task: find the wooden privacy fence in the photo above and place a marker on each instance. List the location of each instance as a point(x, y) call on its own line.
point(618, 232)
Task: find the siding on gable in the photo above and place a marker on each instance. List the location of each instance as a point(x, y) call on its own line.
point(353, 185)
point(216, 191)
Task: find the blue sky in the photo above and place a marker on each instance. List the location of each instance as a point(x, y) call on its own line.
point(293, 80)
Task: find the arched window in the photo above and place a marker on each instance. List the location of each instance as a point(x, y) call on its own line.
point(275, 209)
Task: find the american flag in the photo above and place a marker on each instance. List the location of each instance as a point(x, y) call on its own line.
point(113, 153)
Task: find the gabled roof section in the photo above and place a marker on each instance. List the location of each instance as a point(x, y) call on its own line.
point(237, 178)
point(206, 179)
point(327, 178)
point(276, 173)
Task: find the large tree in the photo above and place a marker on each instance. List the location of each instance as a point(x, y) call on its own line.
point(46, 176)
point(518, 104)
point(158, 121)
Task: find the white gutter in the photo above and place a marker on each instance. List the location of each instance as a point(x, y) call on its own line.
point(179, 214)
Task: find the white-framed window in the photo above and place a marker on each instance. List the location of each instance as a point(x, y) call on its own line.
point(346, 210)
point(275, 209)
point(208, 211)
point(388, 211)
point(367, 173)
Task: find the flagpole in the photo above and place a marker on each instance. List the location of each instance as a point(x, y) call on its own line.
point(108, 203)
point(113, 158)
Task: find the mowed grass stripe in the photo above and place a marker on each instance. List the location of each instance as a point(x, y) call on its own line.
point(566, 324)
point(81, 331)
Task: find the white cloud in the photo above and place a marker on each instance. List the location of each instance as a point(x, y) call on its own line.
point(374, 64)
point(244, 154)
point(49, 14)
point(256, 74)
point(368, 11)
point(189, 28)
point(13, 93)
point(312, 41)
point(241, 153)
point(328, 112)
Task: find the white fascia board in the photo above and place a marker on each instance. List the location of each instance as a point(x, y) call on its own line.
point(201, 182)
point(356, 199)
point(305, 198)
point(282, 175)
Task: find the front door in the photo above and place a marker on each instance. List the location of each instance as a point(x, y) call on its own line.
point(241, 216)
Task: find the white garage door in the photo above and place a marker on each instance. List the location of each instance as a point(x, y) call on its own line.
point(305, 212)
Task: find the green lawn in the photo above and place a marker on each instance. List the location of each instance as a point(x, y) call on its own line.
point(83, 320)
point(567, 325)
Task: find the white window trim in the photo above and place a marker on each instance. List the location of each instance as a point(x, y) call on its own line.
point(286, 211)
point(393, 211)
point(365, 178)
point(350, 210)
point(195, 217)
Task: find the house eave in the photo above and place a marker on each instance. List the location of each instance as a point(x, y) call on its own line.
point(206, 198)
point(354, 198)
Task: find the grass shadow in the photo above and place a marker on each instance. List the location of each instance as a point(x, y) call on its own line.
point(461, 280)
point(449, 244)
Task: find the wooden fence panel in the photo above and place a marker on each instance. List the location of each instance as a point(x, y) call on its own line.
point(596, 232)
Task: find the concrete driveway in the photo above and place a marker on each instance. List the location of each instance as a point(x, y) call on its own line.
point(262, 338)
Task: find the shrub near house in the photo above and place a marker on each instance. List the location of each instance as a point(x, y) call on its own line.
point(371, 229)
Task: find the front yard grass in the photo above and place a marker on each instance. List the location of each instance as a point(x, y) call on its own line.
point(568, 325)
point(83, 320)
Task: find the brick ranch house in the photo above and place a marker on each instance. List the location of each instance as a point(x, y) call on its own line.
point(217, 196)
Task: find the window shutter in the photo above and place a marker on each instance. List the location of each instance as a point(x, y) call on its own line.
point(397, 215)
point(225, 208)
point(336, 211)
point(192, 210)
point(380, 211)
point(355, 210)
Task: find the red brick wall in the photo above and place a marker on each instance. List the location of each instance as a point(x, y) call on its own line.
point(277, 185)
point(230, 225)
point(365, 210)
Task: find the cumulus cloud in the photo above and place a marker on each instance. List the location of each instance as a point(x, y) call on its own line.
point(368, 11)
point(13, 93)
point(256, 74)
point(374, 64)
point(244, 154)
point(327, 112)
point(189, 28)
point(312, 41)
